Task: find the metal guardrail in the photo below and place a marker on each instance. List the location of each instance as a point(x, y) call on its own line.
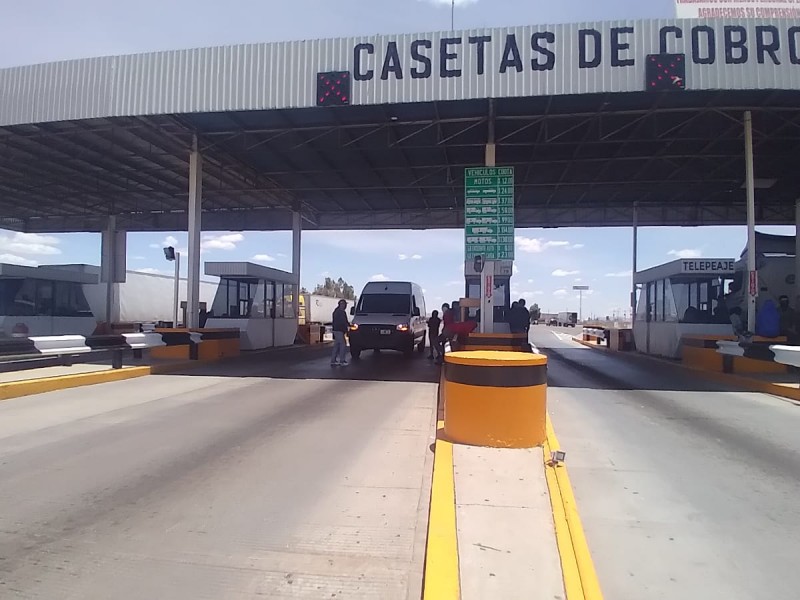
point(786, 355)
point(764, 351)
point(33, 352)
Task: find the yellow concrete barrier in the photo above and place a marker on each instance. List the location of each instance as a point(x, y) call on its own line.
point(495, 399)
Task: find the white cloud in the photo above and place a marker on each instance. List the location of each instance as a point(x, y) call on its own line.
point(619, 274)
point(18, 260)
point(455, 282)
point(538, 245)
point(170, 240)
point(226, 241)
point(29, 244)
point(407, 257)
point(560, 293)
point(563, 273)
point(138, 258)
point(686, 253)
point(530, 280)
point(263, 258)
point(379, 277)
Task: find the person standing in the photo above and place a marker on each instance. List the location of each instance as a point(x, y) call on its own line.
point(448, 320)
point(341, 324)
point(517, 316)
point(434, 326)
point(524, 315)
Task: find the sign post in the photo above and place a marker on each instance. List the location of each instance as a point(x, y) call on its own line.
point(580, 289)
point(489, 227)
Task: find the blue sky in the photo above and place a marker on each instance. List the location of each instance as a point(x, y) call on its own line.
point(548, 262)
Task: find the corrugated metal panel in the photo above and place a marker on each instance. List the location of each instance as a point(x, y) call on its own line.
point(282, 75)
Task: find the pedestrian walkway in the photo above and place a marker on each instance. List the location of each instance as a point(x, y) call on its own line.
point(506, 536)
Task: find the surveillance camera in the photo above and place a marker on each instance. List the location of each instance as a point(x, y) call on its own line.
point(169, 253)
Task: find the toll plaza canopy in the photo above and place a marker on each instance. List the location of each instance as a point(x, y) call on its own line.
point(375, 132)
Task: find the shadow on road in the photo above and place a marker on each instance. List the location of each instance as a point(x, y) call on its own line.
point(314, 363)
point(598, 369)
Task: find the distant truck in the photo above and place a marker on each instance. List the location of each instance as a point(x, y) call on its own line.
point(315, 308)
point(567, 319)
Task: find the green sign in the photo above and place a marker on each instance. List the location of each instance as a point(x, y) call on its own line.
point(489, 213)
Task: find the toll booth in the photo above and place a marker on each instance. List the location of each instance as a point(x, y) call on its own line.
point(681, 298)
point(501, 292)
point(257, 300)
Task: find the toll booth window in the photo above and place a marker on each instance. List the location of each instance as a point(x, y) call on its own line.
point(288, 301)
point(70, 300)
point(641, 305)
point(278, 300)
point(18, 297)
point(651, 301)
point(44, 298)
point(263, 301)
point(670, 309)
point(234, 299)
point(695, 301)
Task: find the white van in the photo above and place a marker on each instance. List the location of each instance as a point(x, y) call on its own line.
point(389, 315)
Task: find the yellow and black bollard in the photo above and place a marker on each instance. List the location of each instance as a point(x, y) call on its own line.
point(495, 399)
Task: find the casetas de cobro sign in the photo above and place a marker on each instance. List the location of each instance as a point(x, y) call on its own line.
point(544, 50)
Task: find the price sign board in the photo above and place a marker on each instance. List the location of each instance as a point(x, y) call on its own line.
point(489, 213)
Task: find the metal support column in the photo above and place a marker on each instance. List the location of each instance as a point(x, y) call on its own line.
point(487, 276)
point(635, 252)
point(195, 232)
point(751, 222)
point(297, 231)
point(112, 267)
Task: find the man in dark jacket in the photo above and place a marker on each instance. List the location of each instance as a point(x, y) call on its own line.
point(519, 319)
point(434, 325)
point(341, 325)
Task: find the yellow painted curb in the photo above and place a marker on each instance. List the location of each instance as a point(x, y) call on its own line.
point(580, 578)
point(17, 389)
point(30, 387)
point(441, 555)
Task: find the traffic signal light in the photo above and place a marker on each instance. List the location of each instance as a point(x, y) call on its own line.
point(333, 88)
point(665, 72)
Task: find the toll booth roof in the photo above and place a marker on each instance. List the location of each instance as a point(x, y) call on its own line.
point(248, 270)
point(687, 267)
point(49, 272)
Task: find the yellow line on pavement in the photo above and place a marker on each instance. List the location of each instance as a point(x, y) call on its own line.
point(17, 389)
point(580, 578)
point(441, 555)
point(29, 387)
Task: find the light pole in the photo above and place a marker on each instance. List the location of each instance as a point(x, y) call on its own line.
point(173, 256)
point(580, 289)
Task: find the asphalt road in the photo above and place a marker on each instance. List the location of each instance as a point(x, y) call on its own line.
point(686, 488)
point(277, 478)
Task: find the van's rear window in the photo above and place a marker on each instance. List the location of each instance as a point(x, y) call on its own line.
point(384, 303)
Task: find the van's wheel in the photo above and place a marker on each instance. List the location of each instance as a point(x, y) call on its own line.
point(355, 353)
point(421, 346)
